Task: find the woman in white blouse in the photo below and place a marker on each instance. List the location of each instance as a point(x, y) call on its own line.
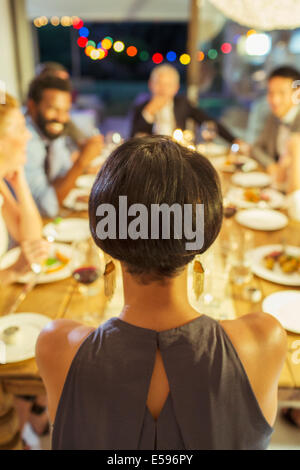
point(19, 215)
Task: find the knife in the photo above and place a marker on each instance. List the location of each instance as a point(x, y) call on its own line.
point(26, 289)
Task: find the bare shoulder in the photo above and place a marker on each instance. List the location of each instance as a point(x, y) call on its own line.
point(57, 345)
point(259, 330)
point(61, 335)
point(261, 344)
point(56, 348)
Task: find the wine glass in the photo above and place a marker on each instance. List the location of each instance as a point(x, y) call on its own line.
point(208, 131)
point(228, 239)
point(87, 267)
point(240, 260)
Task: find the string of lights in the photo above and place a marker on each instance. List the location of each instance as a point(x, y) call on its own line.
point(101, 49)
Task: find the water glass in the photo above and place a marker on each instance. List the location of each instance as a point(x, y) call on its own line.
point(208, 131)
point(239, 263)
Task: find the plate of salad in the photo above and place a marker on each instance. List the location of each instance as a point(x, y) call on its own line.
point(56, 267)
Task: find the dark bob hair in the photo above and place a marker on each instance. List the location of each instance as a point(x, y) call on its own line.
point(47, 82)
point(156, 170)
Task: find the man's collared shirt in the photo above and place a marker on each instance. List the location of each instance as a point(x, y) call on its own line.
point(60, 151)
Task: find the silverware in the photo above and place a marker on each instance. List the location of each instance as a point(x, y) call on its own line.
point(26, 289)
point(36, 270)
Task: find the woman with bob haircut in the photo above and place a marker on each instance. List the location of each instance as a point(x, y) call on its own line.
point(160, 375)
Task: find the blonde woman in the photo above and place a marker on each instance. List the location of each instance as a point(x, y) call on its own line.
point(20, 217)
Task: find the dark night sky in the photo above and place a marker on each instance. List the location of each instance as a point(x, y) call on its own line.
point(55, 45)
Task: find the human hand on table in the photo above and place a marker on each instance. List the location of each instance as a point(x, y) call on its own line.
point(31, 252)
point(34, 252)
point(90, 150)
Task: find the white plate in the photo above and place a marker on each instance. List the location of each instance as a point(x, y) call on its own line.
point(85, 181)
point(30, 326)
point(71, 203)
point(12, 255)
point(261, 219)
point(68, 230)
point(212, 149)
point(275, 275)
point(276, 199)
point(285, 307)
point(255, 179)
point(220, 164)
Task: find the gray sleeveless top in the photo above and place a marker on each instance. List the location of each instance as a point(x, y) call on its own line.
point(211, 404)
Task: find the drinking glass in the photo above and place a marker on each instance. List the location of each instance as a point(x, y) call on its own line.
point(208, 131)
point(239, 260)
point(87, 267)
point(216, 284)
point(228, 239)
point(216, 292)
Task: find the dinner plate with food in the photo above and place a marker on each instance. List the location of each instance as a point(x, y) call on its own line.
point(18, 335)
point(55, 268)
point(262, 219)
point(68, 230)
point(284, 306)
point(77, 199)
point(228, 164)
point(248, 198)
point(255, 179)
point(212, 149)
point(277, 263)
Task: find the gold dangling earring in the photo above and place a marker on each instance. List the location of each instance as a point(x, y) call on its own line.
point(109, 277)
point(198, 278)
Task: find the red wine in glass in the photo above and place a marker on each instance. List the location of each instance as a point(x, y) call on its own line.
point(86, 274)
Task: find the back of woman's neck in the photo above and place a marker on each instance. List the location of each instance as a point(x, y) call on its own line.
point(160, 319)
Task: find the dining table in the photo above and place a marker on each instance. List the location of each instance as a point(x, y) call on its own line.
point(63, 300)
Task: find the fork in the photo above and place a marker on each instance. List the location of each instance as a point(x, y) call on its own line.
point(36, 269)
point(26, 289)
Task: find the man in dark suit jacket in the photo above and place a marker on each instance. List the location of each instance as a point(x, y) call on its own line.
point(164, 111)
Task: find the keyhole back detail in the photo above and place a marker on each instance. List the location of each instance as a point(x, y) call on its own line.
point(159, 387)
